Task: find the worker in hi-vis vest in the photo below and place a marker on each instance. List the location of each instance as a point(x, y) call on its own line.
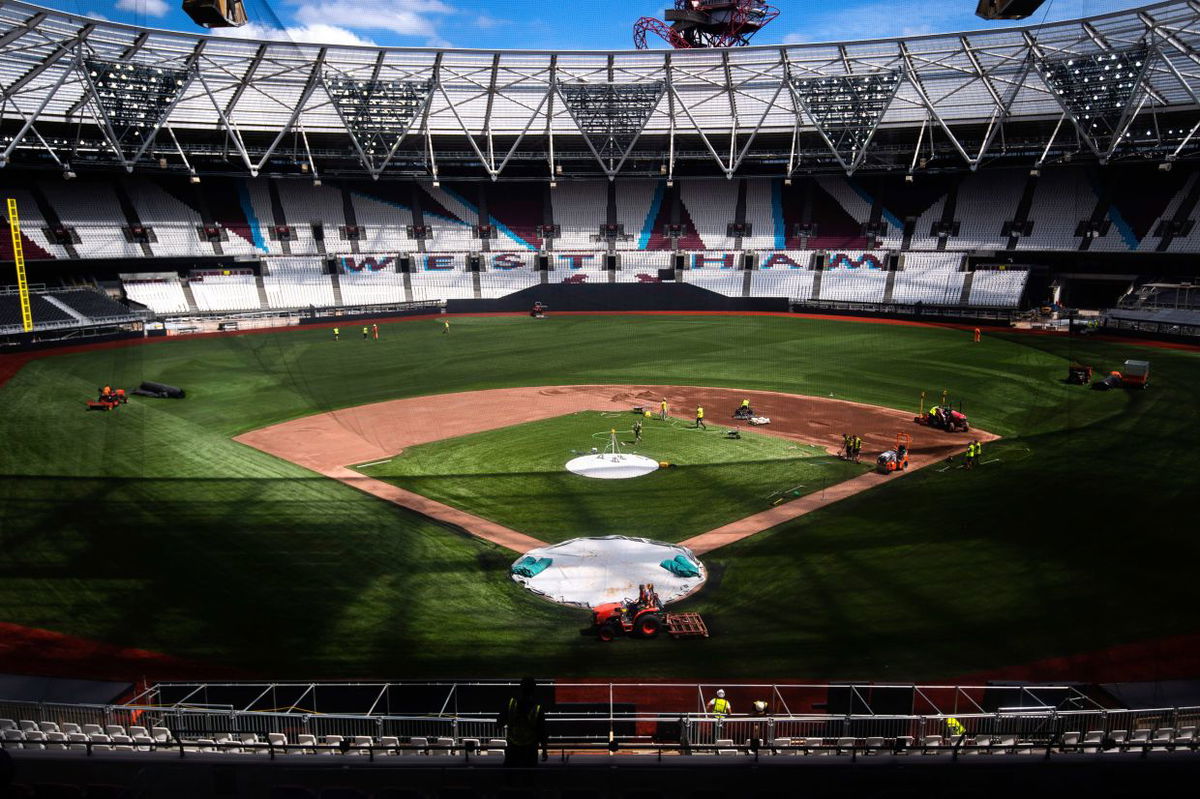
point(700, 417)
point(524, 721)
point(719, 706)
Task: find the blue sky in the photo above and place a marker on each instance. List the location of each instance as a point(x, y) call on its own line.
point(560, 24)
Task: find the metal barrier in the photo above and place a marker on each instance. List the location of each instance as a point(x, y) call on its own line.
point(658, 717)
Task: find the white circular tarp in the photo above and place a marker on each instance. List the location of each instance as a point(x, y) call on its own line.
point(586, 572)
point(612, 466)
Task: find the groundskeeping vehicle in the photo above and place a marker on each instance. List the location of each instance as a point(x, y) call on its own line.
point(944, 417)
point(614, 619)
point(644, 618)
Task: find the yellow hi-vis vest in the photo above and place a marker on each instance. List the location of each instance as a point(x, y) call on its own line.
point(522, 729)
point(955, 726)
point(721, 706)
point(699, 413)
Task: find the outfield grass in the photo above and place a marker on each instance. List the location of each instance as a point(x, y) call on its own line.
point(149, 527)
point(516, 476)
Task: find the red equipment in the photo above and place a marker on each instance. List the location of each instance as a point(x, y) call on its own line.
point(706, 23)
point(943, 417)
point(644, 617)
point(896, 459)
point(107, 400)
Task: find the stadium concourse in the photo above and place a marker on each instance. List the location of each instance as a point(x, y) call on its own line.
point(431, 276)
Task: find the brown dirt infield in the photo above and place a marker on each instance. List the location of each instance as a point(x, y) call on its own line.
point(329, 443)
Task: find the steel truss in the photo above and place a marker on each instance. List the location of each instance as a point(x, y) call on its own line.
point(959, 99)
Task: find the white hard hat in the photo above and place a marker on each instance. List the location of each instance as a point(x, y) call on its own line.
point(721, 692)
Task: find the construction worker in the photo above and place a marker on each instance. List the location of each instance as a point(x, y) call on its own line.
point(977, 335)
point(637, 431)
point(719, 706)
point(445, 326)
point(978, 451)
point(662, 410)
point(366, 332)
point(524, 723)
point(844, 452)
point(970, 455)
point(375, 331)
point(337, 333)
point(955, 726)
point(857, 448)
point(700, 418)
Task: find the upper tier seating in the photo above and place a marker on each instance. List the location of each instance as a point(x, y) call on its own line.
point(833, 208)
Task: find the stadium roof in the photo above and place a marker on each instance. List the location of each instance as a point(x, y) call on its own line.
point(77, 91)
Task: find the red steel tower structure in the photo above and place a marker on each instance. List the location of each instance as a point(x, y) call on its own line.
point(706, 23)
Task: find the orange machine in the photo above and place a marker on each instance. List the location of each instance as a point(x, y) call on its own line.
point(895, 460)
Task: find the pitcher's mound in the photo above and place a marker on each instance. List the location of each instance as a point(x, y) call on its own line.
point(586, 572)
point(612, 466)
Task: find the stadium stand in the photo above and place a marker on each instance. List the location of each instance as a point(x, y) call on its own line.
point(160, 292)
point(1000, 289)
point(931, 286)
point(215, 291)
point(297, 283)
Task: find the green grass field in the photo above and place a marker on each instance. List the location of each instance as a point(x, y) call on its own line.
point(516, 476)
point(149, 527)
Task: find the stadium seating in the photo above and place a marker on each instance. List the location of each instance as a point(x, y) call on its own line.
point(225, 292)
point(1000, 289)
point(931, 286)
point(297, 283)
point(161, 293)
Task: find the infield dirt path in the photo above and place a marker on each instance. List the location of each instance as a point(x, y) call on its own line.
point(329, 443)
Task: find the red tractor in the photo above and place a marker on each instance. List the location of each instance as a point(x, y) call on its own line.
point(944, 417)
point(642, 617)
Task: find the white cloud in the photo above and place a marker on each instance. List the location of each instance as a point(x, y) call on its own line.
point(403, 17)
point(315, 34)
point(153, 8)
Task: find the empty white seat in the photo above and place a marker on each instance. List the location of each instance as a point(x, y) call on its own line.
point(122, 743)
point(114, 729)
point(49, 726)
point(419, 745)
point(903, 744)
point(725, 747)
point(334, 742)
point(873, 744)
point(845, 745)
point(35, 739)
point(307, 741)
point(931, 742)
point(445, 746)
point(13, 738)
point(1139, 738)
point(980, 744)
point(360, 744)
point(161, 735)
point(1185, 735)
point(202, 745)
point(136, 730)
point(497, 744)
point(389, 744)
point(70, 727)
point(77, 740)
point(1070, 741)
point(7, 724)
point(100, 742)
point(93, 729)
point(143, 743)
point(1162, 736)
point(28, 726)
point(1092, 740)
point(277, 739)
point(56, 740)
